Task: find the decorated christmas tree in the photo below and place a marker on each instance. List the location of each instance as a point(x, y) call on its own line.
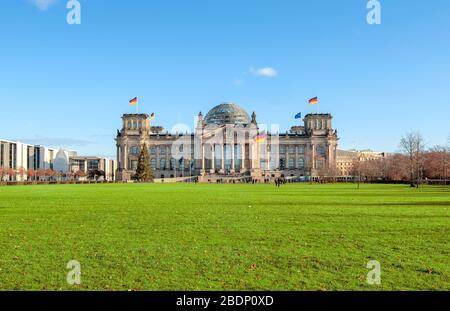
point(144, 172)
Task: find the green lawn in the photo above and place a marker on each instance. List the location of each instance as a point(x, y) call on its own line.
point(224, 237)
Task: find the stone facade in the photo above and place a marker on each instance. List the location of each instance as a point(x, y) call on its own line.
point(346, 159)
point(228, 143)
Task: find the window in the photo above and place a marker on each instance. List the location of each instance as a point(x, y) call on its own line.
point(162, 164)
point(92, 165)
point(12, 155)
point(133, 164)
point(153, 150)
point(320, 124)
point(80, 165)
point(134, 150)
point(282, 163)
point(140, 124)
point(182, 164)
point(262, 165)
point(134, 124)
point(301, 163)
point(319, 164)
point(129, 124)
point(172, 163)
point(273, 164)
point(291, 149)
point(291, 164)
point(153, 163)
point(320, 150)
point(2, 158)
point(282, 149)
point(162, 150)
point(301, 149)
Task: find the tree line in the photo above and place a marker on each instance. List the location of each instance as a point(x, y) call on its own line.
point(47, 174)
point(415, 163)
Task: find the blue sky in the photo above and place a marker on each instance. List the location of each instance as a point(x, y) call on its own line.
point(68, 85)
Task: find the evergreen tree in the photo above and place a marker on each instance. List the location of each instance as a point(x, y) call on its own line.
point(144, 172)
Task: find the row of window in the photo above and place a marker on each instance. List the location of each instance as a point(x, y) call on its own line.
point(134, 124)
point(173, 164)
point(12, 155)
point(292, 149)
point(292, 164)
point(163, 150)
point(2, 157)
point(186, 164)
point(135, 150)
point(317, 124)
point(92, 165)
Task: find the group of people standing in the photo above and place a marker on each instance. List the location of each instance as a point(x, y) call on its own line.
point(279, 181)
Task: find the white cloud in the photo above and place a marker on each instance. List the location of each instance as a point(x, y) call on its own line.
point(43, 4)
point(265, 72)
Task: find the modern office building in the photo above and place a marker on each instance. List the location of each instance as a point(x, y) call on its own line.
point(92, 165)
point(227, 142)
point(21, 162)
point(17, 158)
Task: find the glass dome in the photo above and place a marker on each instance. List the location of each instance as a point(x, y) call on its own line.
point(227, 113)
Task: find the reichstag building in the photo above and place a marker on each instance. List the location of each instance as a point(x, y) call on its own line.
point(228, 143)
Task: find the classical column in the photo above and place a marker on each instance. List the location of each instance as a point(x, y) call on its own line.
point(250, 156)
point(203, 157)
point(242, 157)
point(213, 158)
point(157, 156)
point(330, 155)
point(267, 157)
point(223, 157)
point(118, 156)
point(286, 156)
point(313, 157)
point(125, 156)
point(232, 156)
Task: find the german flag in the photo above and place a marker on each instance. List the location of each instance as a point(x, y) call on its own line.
point(260, 138)
point(313, 101)
point(133, 101)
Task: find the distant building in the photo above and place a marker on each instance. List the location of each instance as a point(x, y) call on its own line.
point(228, 143)
point(345, 159)
point(18, 160)
point(87, 164)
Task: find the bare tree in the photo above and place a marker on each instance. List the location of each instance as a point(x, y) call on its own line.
point(356, 169)
point(21, 172)
point(437, 163)
point(3, 171)
point(412, 145)
point(397, 167)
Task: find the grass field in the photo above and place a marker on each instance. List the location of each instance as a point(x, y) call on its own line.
point(224, 237)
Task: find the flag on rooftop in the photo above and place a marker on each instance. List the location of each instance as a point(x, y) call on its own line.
point(313, 101)
point(133, 101)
